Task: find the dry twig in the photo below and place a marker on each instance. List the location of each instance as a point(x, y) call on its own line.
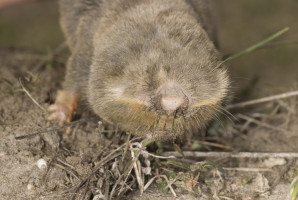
point(231, 154)
point(262, 123)
point(115, 153)
point(242, 169)
point(166, 179)
point(30, 96)
point(263, 100)
point(215, 145)
point(52, 128)
point(72, 172)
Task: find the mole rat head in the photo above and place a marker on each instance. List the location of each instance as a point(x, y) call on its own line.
point(158, 88)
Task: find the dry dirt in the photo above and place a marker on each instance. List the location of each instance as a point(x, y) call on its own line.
point(72, 157)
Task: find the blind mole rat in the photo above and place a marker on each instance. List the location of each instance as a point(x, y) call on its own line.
point(149, 67)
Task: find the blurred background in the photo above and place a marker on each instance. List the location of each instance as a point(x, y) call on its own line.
point(273, 69)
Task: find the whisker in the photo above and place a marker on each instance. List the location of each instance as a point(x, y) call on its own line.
point(218, 120)
point(197, 120)
point(220, 110)
point(229, 113)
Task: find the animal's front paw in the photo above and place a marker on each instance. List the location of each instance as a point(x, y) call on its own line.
point(60, 113)
point(62, 109)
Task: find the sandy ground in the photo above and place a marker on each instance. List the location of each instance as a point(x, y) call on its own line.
point(71, 158)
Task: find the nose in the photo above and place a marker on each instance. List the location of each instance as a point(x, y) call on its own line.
point(173, 96)
point(172, 103)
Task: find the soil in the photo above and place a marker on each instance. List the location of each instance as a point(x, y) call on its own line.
point(272, 127)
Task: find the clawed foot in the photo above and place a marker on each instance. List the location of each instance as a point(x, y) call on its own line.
point(60, 113)
point(62, 109)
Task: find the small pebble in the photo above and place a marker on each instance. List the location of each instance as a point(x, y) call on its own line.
point(30, 187)
point(41, 164)
point(2, 154)
point(99, 197)
point(146, 170)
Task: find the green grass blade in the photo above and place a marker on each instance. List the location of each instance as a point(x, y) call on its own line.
point(281, 43)
point(294, 191)
point(256, 46)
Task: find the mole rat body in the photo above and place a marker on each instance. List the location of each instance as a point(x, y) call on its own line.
point(149, 67)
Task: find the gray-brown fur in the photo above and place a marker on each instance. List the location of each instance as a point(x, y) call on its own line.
point(123, 50)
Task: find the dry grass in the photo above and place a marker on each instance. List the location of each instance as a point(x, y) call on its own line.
point(121, 169)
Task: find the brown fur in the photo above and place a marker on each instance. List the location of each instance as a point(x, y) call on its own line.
point(123, 50)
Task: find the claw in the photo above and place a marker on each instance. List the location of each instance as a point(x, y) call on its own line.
point(65, 104)
point(60, 113)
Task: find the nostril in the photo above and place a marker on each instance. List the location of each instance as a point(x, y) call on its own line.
point(172, 103)
point(172, 96)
